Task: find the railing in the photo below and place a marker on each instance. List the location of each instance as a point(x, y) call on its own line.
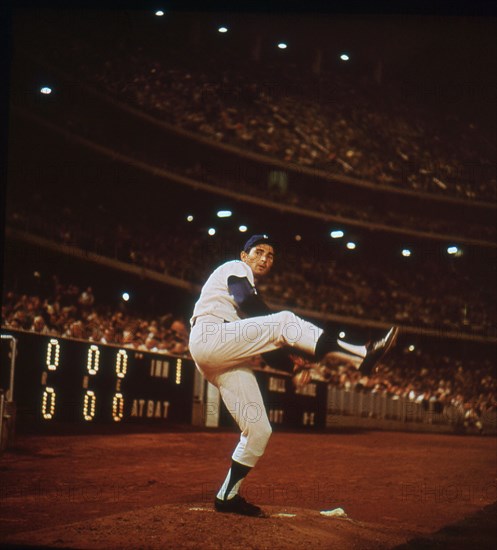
point(384, 407)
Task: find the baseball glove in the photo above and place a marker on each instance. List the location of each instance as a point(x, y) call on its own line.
point(302, 370)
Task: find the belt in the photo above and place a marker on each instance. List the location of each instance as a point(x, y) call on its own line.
point(206, 317)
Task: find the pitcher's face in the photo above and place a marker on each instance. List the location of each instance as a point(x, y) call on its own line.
point(260, 259)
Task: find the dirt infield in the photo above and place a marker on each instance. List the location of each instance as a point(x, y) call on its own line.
point(155, 490)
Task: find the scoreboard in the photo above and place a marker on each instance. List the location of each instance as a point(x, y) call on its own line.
point(73, 380)
point(286, 405)
point(68, 380)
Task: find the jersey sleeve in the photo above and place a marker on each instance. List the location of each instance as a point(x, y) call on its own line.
point(240, 283)
point(240, 269)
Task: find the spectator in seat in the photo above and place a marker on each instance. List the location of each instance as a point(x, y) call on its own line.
point(39, 325)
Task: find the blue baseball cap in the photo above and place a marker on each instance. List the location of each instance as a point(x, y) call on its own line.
point(255, 240)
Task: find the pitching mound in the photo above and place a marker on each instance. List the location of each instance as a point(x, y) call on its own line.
point(199, 526)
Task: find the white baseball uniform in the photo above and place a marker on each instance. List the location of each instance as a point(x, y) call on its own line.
point(221, 343)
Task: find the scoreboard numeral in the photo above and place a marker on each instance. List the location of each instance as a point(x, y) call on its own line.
point(121, 368)
point(121, 363)
point(53, 354)
point(48, 403)
point(179, 365)
point(117, 407)
point(89, 404)
point(48, 398)
point(90, 399)
point(93, 361)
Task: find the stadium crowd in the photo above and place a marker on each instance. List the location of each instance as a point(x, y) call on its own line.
point(67, 311)
point(93, 124)
point(310, 279)
point(320, 197)
point(336, 124)
point(464, 391)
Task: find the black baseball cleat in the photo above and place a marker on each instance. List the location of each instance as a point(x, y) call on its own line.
point(377, 350)
point(238, 505)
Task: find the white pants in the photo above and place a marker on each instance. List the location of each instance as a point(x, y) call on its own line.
point(221, 352)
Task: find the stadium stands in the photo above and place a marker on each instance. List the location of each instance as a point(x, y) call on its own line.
point(68, 311)
point(467, 384)
point(335, 124)
point(316, 279)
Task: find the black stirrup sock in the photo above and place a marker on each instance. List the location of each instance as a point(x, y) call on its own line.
point(237, 473)
point(326, 343)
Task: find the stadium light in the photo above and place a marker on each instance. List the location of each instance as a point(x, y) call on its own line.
point(351, 245)
point(211, 231)
point(282, 46)
point(46, 90)
point(344, 57)
point(242, 228)
point(406, 253)
point(125, 296)
point(189, 218)
point(224, 214)
point(222, 29)
point(454, 250)
point(337, 234)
